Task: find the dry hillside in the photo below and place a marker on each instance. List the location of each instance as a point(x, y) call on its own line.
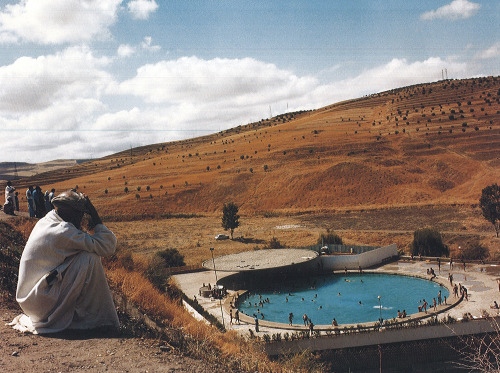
point(403, 152)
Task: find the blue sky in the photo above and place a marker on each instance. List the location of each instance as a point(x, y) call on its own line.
point(81, 79)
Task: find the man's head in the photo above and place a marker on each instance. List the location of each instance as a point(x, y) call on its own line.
point(70, 206)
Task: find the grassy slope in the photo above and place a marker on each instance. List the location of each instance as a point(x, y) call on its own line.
point(391, 151)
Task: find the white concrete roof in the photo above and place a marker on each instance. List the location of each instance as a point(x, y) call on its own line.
point(260, 259)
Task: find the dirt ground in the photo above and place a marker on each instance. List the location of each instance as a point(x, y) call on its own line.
point(88, 351)
point(95, 351)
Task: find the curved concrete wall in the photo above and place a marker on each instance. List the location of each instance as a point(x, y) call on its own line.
point(363, 260)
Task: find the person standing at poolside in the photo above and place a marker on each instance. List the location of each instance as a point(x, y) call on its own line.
point(237, 316)
point(290, 318)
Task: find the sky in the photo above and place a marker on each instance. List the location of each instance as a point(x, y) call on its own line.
point(83, 79)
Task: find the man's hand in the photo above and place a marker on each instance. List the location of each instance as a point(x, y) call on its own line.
point(92, 211)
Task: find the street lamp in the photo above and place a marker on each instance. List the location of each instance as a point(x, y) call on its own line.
point(220, 298)
point(380, 310)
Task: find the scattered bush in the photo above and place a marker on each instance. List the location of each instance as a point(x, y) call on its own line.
point(274, 243)
point(329, 238)
point(428, 242)
point(475, 251)
point(157, 268)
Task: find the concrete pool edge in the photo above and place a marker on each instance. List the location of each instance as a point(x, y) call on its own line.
point(359, 326)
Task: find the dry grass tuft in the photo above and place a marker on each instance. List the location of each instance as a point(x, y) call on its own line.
point(208, 342)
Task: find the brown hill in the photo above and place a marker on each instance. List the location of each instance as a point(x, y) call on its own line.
point(432, 144)
point(425, 144)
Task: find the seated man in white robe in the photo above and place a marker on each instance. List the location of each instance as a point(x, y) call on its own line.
point(61, 282)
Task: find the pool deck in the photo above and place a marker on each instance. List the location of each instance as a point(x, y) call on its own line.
point(479, 279)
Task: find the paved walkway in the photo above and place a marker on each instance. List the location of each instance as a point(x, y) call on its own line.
point(479, 279)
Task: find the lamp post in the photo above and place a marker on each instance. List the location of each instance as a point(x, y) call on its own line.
point(380, 310)
point(220, 300)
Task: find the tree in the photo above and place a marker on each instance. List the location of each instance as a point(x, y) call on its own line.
point(428, 242)
point(329, 238)
point(156, 271)
point(490, 205)
point(230, 217)
point(171, 257)
point(274, 244)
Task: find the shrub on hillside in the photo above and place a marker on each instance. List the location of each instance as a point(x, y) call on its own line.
point(274, 243)
point(329, 238)
point(157, 272)
point(428, 242)
point(475, 251)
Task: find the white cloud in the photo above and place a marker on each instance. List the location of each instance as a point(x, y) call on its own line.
point(125, 50)
point(141, 9)
point(394, 74)
point(146, 44)
point(457, 9)
point(491, 52)
point(32, 84)
point(57, 21)
point(233, 81)
point(169, 100)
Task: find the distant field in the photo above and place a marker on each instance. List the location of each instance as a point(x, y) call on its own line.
point(193, 237)
point(14, 171)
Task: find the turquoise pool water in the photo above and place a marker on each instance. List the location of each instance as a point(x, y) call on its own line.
point(349, 299)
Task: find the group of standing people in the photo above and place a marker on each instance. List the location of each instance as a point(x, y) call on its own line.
point(39, 203)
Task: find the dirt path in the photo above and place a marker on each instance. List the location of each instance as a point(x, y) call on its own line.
point(90, 352)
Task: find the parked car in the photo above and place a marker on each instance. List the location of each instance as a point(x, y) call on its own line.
point(221, 237)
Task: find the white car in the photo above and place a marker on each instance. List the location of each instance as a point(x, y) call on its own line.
point(221, 237)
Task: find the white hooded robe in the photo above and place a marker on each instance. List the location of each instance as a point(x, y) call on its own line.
point(78, 297)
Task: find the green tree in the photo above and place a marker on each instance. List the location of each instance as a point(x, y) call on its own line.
point(490, 205)
point(329, 238)
point(428, 242)
point(171, 258)
point(230, 217)
point(274, 243)
point(157, 272)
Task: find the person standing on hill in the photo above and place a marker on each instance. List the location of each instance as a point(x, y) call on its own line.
point(48, 205)
point(62, 284)
point(9, 191)
point(31, 205)
point(51, 197)
point(16, 201)
point(39, 202)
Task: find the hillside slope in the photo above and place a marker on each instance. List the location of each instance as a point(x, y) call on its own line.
point(427, 144)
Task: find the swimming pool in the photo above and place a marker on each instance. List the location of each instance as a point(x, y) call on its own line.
point(349, 299)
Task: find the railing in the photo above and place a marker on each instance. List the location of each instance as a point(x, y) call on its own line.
point(343, 249)
point(184, 269)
